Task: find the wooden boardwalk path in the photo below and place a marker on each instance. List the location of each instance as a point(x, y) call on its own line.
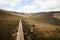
point(20, 35)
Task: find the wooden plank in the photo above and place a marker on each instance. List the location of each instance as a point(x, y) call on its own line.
point(20, 35)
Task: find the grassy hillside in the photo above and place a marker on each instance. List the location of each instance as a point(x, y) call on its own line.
point(48, 14)
point(42, 31)
point(8, 25)
point(47, 26)
point(49, 17)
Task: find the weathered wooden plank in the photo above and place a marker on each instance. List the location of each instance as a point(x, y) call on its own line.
point(20, 35)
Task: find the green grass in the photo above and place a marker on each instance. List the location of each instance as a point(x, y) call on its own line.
point(8, 25)
point(43, 19)
point(45, 29)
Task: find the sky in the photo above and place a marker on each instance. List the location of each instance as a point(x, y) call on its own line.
point(30, 6)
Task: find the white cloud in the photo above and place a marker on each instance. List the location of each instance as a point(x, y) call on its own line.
point(46, 5)
point(8, 9)
point(28, 8)
point(13, 2)
point(26, 0)
point(2, 2)
point(10, 2)
point(54, 9)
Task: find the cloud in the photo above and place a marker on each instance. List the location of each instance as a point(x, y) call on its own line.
point(14, 2)
point(28, 8)
point(7, 8)
point(2, 2)
point(31, 5)
point(26, 0)
point(46, 5)
point(10, 2)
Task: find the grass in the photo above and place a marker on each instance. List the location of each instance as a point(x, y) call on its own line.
point(43, 19)
point(8, 25)
point(42, 30)
point(45, 29)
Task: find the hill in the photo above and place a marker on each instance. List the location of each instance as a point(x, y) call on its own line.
point(48, 14)
point(47, 25)
point(8, 24)
point(48, 17)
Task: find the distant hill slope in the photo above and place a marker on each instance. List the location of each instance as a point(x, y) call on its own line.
point(48, 14)
point(12, 12)
point(48, 17)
